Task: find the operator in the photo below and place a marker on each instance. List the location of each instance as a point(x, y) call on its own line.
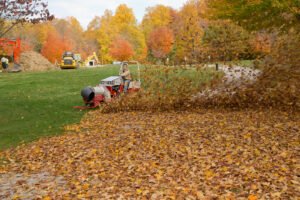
point(126, 76)
point(4, 62)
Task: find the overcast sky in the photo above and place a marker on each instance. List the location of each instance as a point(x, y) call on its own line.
point(85, 10)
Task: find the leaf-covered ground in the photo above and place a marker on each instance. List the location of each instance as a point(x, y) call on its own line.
point(195, 154)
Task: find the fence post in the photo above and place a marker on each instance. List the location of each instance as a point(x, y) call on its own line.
point(217, 67)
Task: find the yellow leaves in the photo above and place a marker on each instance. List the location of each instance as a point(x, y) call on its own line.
point(102, 174)
point(80, 196)
point(47, 198)
point(94, 151)
point(229, 159)
point(208, 174)
point(284, 168)
point(159, 175)
point(37, 150)
point(224, 169)
point(142, 193)
point(72, 128)
point(139, 191)
point(16, 197)
point(247, 136)
point(257, 152)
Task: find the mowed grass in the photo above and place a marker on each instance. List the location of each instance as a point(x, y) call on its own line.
point(33, 105)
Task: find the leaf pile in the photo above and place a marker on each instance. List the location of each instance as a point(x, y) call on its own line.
point(201, 154)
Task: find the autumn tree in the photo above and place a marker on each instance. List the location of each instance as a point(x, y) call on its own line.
point(155, 17)
point(14, 12)
point(104, 36)
point(126, 25)
point(121, 49)
point(55, 46)
point(160, 42)
point(123, 24)
point(225, 41)
point(90, 37)
point(33, 35)
point(189, 31)
point(256, 15)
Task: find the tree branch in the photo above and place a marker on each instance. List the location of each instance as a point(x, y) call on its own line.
point(8, 29)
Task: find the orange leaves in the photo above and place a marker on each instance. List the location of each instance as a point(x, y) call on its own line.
point(252, 197)
point(54, 47)
point(161, 42)
point(162, 155)
point(121, 49)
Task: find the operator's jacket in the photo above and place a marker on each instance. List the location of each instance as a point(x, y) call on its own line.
point(125, 73)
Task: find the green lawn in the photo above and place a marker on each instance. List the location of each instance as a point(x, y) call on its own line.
point(33, 105)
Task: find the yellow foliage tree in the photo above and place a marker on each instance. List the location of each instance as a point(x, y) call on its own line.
point(105, 36)
point(189, 31)
point(156, 17)
point(122, 24)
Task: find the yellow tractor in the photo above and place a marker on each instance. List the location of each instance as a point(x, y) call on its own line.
point(92, 60)
point(70, 61)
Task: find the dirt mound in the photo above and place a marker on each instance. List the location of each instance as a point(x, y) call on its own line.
point(33, 61)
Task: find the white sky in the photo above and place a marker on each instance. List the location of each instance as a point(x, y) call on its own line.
point(86, 10)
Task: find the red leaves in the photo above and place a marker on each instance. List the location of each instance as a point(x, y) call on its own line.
point(121, 49)
point(160, 42)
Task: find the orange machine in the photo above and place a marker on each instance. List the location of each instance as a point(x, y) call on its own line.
point(12, 47)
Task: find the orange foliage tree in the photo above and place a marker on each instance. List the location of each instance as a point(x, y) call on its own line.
point(160, 42)
point(54, 47)
point(121, 49)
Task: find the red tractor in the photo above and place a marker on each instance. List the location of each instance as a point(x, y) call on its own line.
point(108, 89)
point(12, 49)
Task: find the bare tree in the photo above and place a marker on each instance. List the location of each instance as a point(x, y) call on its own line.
point(13, 12)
